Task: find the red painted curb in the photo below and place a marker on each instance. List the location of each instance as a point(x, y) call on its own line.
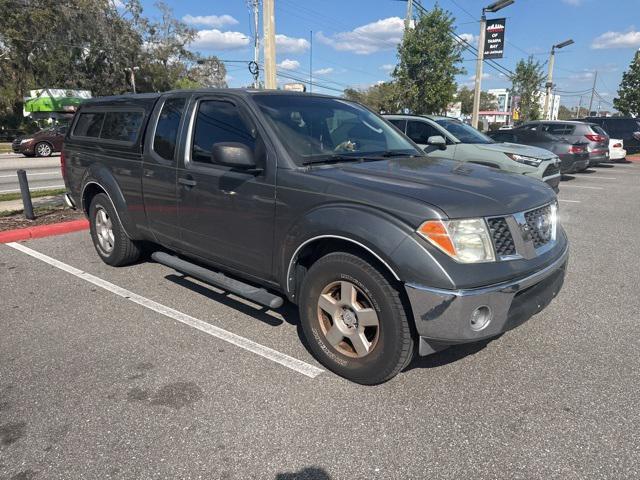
point(634, 158)
point(43, 231)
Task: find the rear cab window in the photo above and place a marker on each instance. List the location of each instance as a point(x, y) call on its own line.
point(122, 126)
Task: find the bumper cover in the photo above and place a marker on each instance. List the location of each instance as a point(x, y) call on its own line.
point(442, 317)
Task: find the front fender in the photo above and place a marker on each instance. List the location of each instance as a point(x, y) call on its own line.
point(382, 235)
point(99, 175)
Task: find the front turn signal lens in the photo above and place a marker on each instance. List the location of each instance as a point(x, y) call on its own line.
point(466, 241)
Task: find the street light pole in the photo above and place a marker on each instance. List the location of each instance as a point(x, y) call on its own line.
point(132, 77)
point(478, 81)
point(494, 7)
point(549, 85)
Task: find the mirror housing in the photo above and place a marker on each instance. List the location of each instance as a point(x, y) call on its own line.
point(233, 154)
point(437, 141)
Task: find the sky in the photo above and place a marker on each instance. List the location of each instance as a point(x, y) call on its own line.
point(352, 43)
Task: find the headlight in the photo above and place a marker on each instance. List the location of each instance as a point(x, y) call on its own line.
point(466, 241)
point(25, 140)
point(532, 161)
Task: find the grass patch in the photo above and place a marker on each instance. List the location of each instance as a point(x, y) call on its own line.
point(5, 148)
point(5, 197)
point(37, 211)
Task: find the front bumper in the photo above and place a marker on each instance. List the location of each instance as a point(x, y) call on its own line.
point(443, 317)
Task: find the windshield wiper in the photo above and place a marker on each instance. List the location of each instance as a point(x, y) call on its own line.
point(334, 159)
point(395, 153)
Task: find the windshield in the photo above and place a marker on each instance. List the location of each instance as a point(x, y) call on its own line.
point(464, 133)
point(321, 129)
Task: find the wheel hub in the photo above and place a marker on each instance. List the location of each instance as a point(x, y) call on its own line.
point(349, 318)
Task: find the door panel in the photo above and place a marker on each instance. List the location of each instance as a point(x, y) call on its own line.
point(226, 215)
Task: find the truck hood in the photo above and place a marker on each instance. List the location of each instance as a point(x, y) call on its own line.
point(460, 190)
point(525, 150)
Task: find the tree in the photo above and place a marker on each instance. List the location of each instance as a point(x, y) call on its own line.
point(564, 113)
point(526, 84)
point(628, 100)
point(465, 97)
point(429, 59)
point(381, 97)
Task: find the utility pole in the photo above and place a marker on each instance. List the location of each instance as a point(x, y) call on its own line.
point(269, 32)
point(593, 91)
point(549, 85)
point(579, 107)
point(255, 6)
point(407, 19)
point(311, 61)
point(132, 77)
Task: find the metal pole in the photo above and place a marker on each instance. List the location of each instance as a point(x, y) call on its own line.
point(407, 19)
point(579, 107)
point(311, 61)
point(549, 85)
point(478, 82)
point(593, 90)
point(269, 32)
point(26, 195)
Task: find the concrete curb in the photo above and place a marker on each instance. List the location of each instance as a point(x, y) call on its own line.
point(43, 231)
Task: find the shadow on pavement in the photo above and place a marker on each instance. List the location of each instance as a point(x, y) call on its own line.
point(449, 355)
point(310, 473)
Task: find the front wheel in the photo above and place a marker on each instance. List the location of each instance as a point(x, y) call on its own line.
point(354, 319)
point(43, 149)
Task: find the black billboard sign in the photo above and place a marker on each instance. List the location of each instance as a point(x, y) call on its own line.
point(494, 38)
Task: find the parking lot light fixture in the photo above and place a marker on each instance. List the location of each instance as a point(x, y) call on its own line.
point(546, 114)
point(499, 5)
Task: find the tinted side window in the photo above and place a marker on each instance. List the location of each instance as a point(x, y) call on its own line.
point(503, 137)
point(164, 141)
point(559, 128)
point(399, 123)
point(218, 121)
point(420, 132)
point(121, 126)
point(88, 125)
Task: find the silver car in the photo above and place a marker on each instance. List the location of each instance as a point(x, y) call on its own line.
point(450, 138)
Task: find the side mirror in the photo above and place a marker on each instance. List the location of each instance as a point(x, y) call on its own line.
point(437, 141)
point(232, 154)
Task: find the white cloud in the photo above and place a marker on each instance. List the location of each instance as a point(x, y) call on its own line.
point(286, 44)
point(382, 34)
point(582, 76)
point(216, 40)
point(288, 64)
point(387, 67)
point(574, 3)
point(617, 40)
point(117, 3)
point(485, 76)
point(469, 38)
point(214, 21)
point(323, 71)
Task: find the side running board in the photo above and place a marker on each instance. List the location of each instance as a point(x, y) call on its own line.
point(255, 294)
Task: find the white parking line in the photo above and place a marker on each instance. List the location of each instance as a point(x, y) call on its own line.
point(53, 172)
point(596, 177)
point(569, 201)
point(266, 352)
point(581, 186)
point(34, 188)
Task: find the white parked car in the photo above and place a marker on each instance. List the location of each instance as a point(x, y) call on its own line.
point(616, 149)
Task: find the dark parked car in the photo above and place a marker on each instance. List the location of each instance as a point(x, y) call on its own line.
point(573, 156)
point(42, 143)
point(9, 135)
point(577, 132)
point(314, 199)
point(625, 129)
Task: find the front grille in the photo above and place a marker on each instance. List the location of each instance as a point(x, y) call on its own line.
point(551, 170)
point(15, 144)
point(501, 236)
point(540, 225)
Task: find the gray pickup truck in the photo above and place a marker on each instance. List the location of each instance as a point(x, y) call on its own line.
point(278, 196)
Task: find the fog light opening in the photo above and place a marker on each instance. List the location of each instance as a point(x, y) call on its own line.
point(480, 318)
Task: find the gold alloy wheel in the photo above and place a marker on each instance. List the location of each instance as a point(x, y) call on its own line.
point(347, 319)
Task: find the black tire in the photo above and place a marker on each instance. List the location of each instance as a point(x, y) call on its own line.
point(43, 149)
point(394, 346)
point(124, 250)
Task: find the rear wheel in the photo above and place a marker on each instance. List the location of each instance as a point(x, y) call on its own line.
point(43, 149)
point(109, 238)
point(354, 319)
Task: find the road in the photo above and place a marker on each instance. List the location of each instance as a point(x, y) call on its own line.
point(128, 373)
point(41, 172)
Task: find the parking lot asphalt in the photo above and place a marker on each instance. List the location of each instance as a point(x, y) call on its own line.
point(98, 381)
point(41, 172)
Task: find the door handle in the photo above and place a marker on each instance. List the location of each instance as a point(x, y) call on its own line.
point(188, 182)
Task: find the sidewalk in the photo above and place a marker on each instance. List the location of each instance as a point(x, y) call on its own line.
point(16, 205)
